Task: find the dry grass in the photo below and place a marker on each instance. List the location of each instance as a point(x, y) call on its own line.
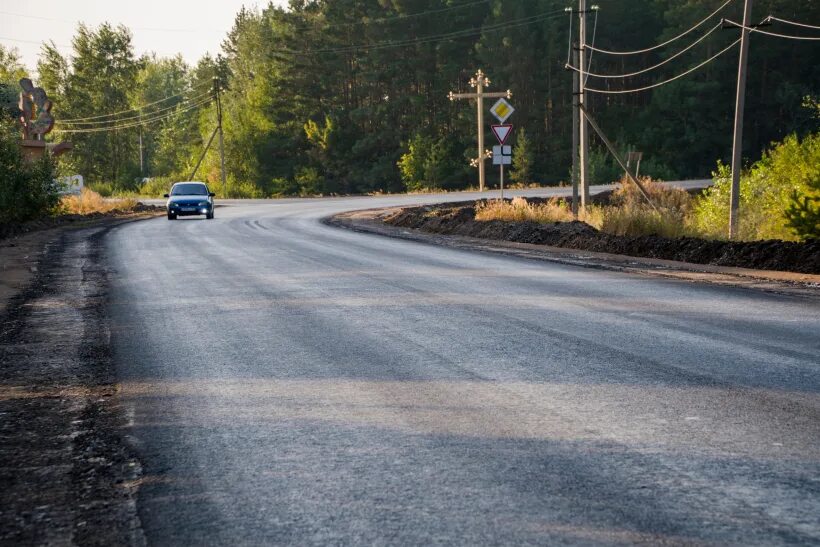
point(90, 201)
point(629, 214)
point(520, 210)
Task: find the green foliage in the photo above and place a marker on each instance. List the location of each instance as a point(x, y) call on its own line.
point(803, 214)
point(413, 161)
point(767, 191)
point(27, 189)
point(156, 187)
point(523, 159)
point(301, 104)
point(309, 181)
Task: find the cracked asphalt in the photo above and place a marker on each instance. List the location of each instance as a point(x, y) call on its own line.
point(287, 382)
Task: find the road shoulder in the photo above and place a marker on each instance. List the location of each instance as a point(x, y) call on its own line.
point(66, 474)
point(795, 284)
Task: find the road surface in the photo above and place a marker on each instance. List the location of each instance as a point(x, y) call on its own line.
point(291, 383)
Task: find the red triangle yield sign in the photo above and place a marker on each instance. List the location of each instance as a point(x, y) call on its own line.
point(502, 132)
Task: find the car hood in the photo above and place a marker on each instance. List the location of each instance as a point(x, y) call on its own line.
point(187, 199)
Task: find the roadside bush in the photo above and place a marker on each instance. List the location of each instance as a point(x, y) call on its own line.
point(155, 187)
point(105, 189)
point(245, 190)
point(642, 220)
point(767, 191)
point(27, 189)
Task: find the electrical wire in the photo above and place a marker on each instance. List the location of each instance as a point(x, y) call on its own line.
point(141, 115)
point(664, 82)
point(133, 124)
point(203, 84)
point(592, 51)
point(795, 23)
point(653, 67)
point(432, 38)
point(767, 33)
point(666, 43)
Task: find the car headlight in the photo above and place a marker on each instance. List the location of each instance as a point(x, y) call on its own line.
point(204, 204)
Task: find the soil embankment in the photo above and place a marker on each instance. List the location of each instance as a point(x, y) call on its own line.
point(459, 219)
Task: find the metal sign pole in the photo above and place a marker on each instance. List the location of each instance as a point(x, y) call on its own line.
point(502, 182)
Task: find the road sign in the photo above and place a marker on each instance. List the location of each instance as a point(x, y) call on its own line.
point(502, 155)
point(501, 132)
point(502, 110)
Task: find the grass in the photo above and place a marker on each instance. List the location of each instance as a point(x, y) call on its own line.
point(89, 202)
point(627, 215)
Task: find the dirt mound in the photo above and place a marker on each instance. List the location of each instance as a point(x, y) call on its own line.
point(459, 219)
point(16, 228)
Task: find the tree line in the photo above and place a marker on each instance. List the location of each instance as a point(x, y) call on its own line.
point(350, 96)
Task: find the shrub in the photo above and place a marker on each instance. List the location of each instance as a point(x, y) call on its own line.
point(767, 191)
point(27, 189)
point(245, 190)
point(522, 160)
point(155, 187)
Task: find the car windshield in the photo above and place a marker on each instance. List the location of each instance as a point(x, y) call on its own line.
point(189, 190)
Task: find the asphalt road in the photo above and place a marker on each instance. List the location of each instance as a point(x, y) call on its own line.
point(292, 383)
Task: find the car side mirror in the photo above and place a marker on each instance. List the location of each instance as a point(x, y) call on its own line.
point(212, 194)
point(165, 195)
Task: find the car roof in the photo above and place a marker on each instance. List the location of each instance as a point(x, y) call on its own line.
point(190, 182)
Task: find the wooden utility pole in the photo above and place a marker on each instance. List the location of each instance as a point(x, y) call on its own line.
point(576, 114)
point(221, 138)
point(583, 130)
point(480, 81)
point(740, 103)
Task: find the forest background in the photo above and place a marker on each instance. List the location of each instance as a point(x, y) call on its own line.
point(350, 96)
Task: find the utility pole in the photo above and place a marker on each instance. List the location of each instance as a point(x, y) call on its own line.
point(583, 130)
point(480, 81)
point(576, 113)
point(740, 103)
point(221, 138)
point(141, 155)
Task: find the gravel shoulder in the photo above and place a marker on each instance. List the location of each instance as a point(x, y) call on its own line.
point(382, 221)
point(66, 474)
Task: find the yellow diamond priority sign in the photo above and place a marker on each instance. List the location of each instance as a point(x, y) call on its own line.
point(502, 110)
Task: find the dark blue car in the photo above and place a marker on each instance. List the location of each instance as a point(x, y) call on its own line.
point(190, 198)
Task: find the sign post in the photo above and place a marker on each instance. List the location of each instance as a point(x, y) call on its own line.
point(502, 154)
point(480, 81)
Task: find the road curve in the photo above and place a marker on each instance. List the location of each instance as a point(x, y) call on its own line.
point(287, 382)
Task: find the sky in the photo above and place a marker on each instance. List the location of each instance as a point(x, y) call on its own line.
point(167, 27)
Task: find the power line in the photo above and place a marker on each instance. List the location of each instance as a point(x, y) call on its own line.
point(432, 38)
point(664, 82)
point(795, 23)
point(653, 67)
point(141, 115)
point(135, 124)
point(666, 43)
point(767, 33)
point(72, 120)
point(589, 61)
point(38, 42)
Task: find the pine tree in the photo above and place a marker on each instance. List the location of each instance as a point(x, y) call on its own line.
point(522, 159)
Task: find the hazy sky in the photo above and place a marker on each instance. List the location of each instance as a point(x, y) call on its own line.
point(168, 27)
